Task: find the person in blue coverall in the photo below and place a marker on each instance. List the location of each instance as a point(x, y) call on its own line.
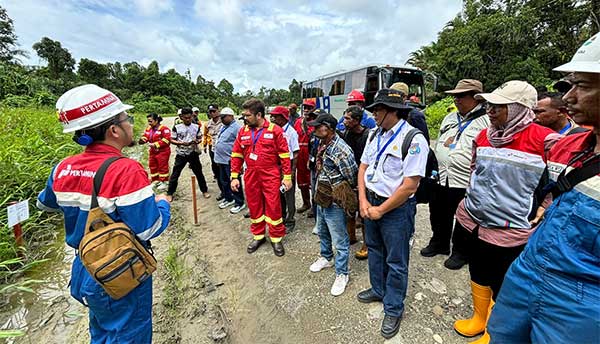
point(100, 122)
point(551, 293)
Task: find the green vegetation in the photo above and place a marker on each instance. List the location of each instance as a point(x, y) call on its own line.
point(175, 273)
point(436, 112)
point(499, 40)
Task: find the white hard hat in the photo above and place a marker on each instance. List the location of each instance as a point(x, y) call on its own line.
point(195, 109)
point(227, 111)
point(178, 111)
point(514, 91)
point(586, 59)
point(86, 106)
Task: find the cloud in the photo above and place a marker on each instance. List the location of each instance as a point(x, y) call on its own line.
point(251, 44)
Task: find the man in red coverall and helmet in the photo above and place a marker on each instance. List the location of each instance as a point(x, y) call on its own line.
point(264, 149)
point(302, 172)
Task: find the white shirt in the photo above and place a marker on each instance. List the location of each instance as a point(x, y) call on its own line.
point(455, 163)
point(391, 170)
point(291, 136)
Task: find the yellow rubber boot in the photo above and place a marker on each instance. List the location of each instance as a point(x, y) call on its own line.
point(485, 339)
point(482, 297)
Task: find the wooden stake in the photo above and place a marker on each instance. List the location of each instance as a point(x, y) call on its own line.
point(194, 202)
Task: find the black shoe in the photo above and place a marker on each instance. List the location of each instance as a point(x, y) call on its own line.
point(456, 261)
point(368, 296)
point(255, 244)
point(390, 326)
point(278, 248)
point(247, 215)
point(433, 250)
point(310, 215)
point(220, 197)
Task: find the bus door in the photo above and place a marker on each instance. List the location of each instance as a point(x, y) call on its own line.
point(372, 85)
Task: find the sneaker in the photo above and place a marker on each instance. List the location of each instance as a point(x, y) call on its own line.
point(226, 204)
point(315, 230)
point(236, 209)
point(320, 264)
point(220, 198)
point(339, 285)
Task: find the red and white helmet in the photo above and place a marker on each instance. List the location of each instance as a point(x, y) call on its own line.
point(86, 106)
point(355, 96)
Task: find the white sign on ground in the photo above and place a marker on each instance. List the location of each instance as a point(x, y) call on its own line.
point(18, 212)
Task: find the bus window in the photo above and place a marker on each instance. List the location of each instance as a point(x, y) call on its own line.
point(348, 84)
point(337, 85)
point(372, 87)
point(358, 79)
point(327, 86)
point(318, 89)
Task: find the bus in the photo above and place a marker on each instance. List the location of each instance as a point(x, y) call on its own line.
point(330, 91)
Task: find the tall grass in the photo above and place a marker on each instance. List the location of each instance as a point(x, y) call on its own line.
point(31, 144)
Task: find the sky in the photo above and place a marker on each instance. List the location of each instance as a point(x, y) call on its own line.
point(251, 44)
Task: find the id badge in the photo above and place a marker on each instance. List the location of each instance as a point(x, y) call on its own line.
point(253, 156)
point(452, 146)
point(312, 159)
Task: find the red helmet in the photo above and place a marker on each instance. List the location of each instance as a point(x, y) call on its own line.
point(280, 110)
point(355, 96)
point(309, 102)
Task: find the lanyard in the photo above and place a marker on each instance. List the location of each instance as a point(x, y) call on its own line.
point(286, 127)
point(564, 130)
point(257, 137)
point(461, 128)
point(380, 151)
point(223, 129)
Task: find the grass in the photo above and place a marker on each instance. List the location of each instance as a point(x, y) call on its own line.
point(175, 271)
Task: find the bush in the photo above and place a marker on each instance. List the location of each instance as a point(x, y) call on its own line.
point(16, 101)
point(45, 98)
point(435, 114)
point(158, 104)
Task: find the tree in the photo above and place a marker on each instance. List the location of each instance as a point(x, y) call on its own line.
point(60, 61)
point(499, 40)
point(9, 51)
point(225, 88)
point(93, 72)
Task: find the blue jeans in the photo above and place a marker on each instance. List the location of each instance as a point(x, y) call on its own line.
point(387, 240)
point(331, 222)
point(224, 179)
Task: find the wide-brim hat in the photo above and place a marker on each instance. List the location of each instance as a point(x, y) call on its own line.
point(467, 85)
point(390, 98)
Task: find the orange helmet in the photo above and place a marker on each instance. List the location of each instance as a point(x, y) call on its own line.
point(355, 96)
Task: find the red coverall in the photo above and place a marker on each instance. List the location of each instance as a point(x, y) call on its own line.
point(160, 151)
point(266, 153)
point(302, 171)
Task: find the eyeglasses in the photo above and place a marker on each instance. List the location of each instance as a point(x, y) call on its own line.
point(129, 119)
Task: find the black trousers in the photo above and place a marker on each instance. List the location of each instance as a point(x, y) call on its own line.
point(489, 263)
point(213, 165)
point(180, 161)
point(442, 208)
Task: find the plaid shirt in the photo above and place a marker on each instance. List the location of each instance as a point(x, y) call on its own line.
point(337, 163)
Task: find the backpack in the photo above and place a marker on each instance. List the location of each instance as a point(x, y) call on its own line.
point(426, 185)
point(425, 191)
point(110, 251)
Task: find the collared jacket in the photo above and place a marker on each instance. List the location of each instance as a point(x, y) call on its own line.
point(264, 148)
point(454, 152)
point(126, 194)
point(159, 138)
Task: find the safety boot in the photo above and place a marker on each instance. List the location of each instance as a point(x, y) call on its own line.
point(485, 339)
point(482, 297)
